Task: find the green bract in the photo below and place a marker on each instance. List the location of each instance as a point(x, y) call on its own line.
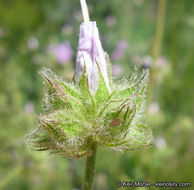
point(74, 118)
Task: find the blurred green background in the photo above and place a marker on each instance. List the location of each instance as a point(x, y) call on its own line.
point(158, 34)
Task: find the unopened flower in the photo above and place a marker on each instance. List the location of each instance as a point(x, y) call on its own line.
point(91, 56)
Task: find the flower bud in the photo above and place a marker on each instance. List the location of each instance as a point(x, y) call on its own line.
point(91, 55)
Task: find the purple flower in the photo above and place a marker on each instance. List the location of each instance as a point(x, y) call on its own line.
point(63, 52)
point(117, 70)
point(162, 62)
point(90, 53)
point(29, 108)
point(147, 61)
point(110, 20)
point(154, 108)
point(33, 43)
point(160, 142)
point(67, 29)
point(120, 49)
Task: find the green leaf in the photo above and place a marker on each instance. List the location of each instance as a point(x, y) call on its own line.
point(136, 85)
point(60, 94)
point(54, 98)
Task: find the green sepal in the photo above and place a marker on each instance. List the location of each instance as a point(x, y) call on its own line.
point(60, 135)
point(52, 99)
point(136, 89)
point(87, 97)
point(136, 85)
point(117, 122)
point(84, 84)
point(139, 136)
point(109, 69)
point(102, 92)
point(59, 94)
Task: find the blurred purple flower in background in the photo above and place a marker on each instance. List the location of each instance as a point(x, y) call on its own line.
point(78, 15)
point(33, 43)
point(162, 62)
point(110, 20)
point(29, 107)
point(117, 70)
point(147, 61)
point(38, 59)
point(67, 29)
point(50, 48)
point(160, 142)
point(62, 52)
point(154, 108)
point(120, 50)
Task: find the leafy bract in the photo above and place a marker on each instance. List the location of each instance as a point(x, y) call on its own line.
point(73, 116)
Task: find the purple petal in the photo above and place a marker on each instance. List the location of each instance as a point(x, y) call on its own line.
point(89, 52)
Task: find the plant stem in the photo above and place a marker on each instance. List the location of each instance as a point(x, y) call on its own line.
point(157, 46)
point(90, 169)
point(159, 28)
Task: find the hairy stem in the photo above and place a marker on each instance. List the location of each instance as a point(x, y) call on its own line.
point(90, 169)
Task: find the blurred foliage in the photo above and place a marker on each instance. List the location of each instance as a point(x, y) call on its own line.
point(29, 28)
